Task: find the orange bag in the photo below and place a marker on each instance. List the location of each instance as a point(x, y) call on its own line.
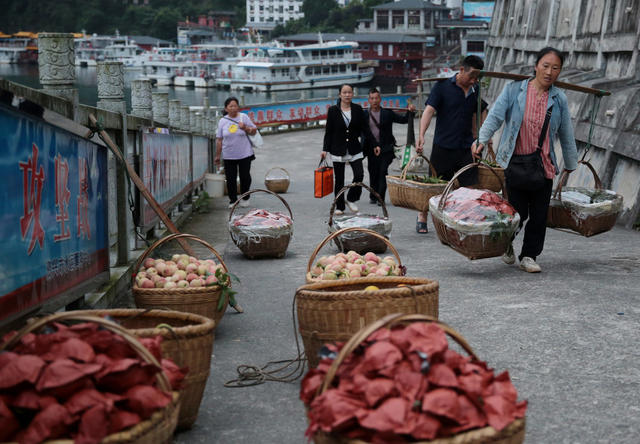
point(323, 179)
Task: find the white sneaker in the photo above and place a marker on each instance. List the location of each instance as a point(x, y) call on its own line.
point(244, 203)
point(508, 257)
point(352, 206)
point(231, 204)
point(529, 265)
point(338, 213)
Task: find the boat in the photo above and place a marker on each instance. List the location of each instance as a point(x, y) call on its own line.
point(318, 65)
point(89, 49)
point(20, 47)
point(123, 50)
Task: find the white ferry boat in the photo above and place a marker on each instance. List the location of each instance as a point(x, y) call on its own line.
point(123, 50)
point(319, 65)
point(89, 49)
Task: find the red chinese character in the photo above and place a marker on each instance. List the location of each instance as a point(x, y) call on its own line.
point(32, 197)
point(252, 115)
point(308, 111)
point(292, 113)
point(83, 199)
point(270, 115)
point(279, 115)
point(62, 198)
point(397, 103)
point(316, 111)
point(260, 116)
point(300, 112)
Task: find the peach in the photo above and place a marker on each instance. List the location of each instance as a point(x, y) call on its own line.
point(191, 277)
point(151, 271)
point(147, 283)
point(170, 284)
point(160, 283)
point(196, 283)
point(161, 267)
point(354, 273)
point(149, 262)
point(170, 270)
point(180, 275)
point(369, 256)
point(329, 276)
point(182, 283)
point(193, 260)
point(316, 271)
point(202, 269)
point(191, 268)
point(211, 280)
point(175, 258)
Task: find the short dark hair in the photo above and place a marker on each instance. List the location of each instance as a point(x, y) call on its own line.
point(231, 99)
point(548, 49)
point(472, 61)
point(374, 91)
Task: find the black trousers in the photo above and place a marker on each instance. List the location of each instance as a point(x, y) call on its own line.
point(447, 161)
point(378, 167)
point(532, 205)
point(338, 176)
point(231, 169)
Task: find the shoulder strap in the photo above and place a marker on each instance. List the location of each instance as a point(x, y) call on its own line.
point(545, 126)
point(374, 119)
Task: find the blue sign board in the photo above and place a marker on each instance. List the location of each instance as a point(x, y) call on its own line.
point(478, 11)
point(311, 110)
point(53, 211)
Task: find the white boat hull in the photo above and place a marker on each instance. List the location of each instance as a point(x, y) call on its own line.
point(258, 86)
point(193, 82)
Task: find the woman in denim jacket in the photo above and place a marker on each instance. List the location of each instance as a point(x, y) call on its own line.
point(522, 107)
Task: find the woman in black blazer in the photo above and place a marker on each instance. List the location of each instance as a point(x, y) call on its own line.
point(346, 123)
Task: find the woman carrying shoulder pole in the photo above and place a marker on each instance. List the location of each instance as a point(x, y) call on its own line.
point(535, 114)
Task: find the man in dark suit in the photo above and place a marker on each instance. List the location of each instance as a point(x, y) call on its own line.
point(379, 146)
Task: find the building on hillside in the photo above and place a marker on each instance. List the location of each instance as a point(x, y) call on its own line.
point(399, 58)
point(214, 26)
point(264, 15)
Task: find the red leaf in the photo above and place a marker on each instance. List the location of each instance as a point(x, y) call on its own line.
point(29, 399)
point(123, 374)
point(8, 423)
point(502, 386)
point(23, 368)
point(387, 417)
point(154, 345)
point(473, 384)
point(49, 423)
point(174, 373)
point(377, 389)
point(443, 402)
point(85, 399)
point(521, 409)
point(122, 419)
point(145, 400)
point(441, 375)
point(380, 355)
point(410, 384)
point(419, 425)
point(94, 425)
point(114, 346)
point(470, 416)
point(310, 385)
point(500, 412)
point(72, 348)
point(6, 357)
point(332, 409)
point(454, 360)
point(64, 371)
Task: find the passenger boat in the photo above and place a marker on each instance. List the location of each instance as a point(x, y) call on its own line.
point(318, 65)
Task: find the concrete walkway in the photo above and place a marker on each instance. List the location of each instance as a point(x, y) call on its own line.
point(568, 336)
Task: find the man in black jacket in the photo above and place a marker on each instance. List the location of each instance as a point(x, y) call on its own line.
point(379, 146)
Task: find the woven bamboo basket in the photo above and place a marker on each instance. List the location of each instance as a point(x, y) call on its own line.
point(410, 193)
point(202, 301)
point(514, 433)
point(277, 185)
point(491, 180)
point(347, 230)
point(331, 311)
point(187, 339)
point(581, 220)
point(159, 428)
point(267, 242)
point(361, 242)
point(472, 245)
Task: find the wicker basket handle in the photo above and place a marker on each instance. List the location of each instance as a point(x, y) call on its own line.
point(171, 237)
point(405, 170)
point(277, 168)
point(344, 189)
point(256, 190)
point(347, 230)
point(565, 175)
point(447, 189)
point(109, 325)
point(389, 321)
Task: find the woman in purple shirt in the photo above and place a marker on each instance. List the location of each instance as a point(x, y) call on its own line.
point(234, 146)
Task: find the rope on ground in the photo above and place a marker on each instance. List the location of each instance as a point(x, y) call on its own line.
point(250, 375)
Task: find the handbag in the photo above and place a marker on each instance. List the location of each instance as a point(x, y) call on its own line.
point(526, 171)
point(323, 179)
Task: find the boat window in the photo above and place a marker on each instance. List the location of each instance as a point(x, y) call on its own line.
point(353, 67)
point(325, 70)
point(334, 69)
point(343, 68)
point(308, 70)
point(317, 70)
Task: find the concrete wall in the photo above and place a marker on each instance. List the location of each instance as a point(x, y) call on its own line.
point(601, 40)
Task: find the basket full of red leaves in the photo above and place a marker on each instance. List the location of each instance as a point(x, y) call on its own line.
point(397, 381)
point(90, 381)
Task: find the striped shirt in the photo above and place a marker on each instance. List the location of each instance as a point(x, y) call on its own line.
point(534, 114)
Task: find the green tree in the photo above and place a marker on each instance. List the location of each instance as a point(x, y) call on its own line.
point(317, 12)
point(164, 23)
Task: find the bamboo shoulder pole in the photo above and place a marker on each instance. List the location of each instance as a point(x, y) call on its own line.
point(512, 76)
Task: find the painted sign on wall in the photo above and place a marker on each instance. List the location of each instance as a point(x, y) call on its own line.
point(200, 156)
point(53, 211)
point(478, 11)
point(311, 110)
point(165, 170)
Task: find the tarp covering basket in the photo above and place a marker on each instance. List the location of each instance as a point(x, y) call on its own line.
point(586, 211)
